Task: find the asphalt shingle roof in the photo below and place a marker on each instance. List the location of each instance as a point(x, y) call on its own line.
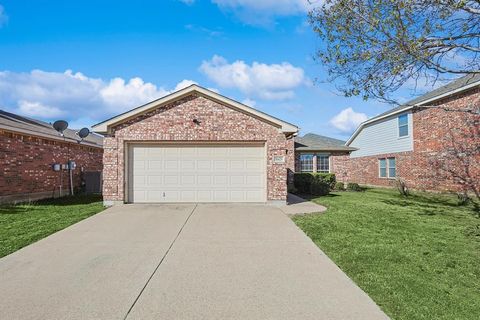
point(15, 122)
point(315, 142)
point(451, 86)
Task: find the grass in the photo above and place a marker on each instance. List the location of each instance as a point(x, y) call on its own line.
point(21, 225)
point(417, 257)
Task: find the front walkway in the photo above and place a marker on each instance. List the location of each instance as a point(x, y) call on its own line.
point(179, 262)
point(299, 206)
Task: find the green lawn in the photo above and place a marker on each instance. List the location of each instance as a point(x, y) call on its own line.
point(417, 257)
point(23, 224)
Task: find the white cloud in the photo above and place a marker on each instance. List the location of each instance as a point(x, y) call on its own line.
point(184, 83)
point(74, 96)
point(3, 16)
point(348, 120)
point(125, 95)
point(265, 81)
point(262, 12)
point(37, 109)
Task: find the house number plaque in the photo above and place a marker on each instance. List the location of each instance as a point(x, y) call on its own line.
point(278, 159)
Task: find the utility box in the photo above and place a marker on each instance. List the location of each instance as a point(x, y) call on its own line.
point(93, 181)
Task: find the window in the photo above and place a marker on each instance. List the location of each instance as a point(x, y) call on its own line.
point(392, 170)
point(323, 163)
point(306, 162)
point(387, 168)
point(382, 164)
point(403, 125)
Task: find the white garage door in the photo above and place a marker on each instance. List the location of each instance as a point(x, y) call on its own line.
point(196, 173)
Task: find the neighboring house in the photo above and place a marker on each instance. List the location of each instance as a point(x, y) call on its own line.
point(196, 145)
point(432, 142)
point(315, 153)
point(28, 150)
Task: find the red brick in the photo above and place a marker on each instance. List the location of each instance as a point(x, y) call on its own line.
point(173, 122)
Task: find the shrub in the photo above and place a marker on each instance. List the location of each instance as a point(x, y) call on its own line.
point(302, 182)
point(319, 187)
point(463, 198)
point(340, 186)
point(352, 186)
point(328, 178)
point(402, 187)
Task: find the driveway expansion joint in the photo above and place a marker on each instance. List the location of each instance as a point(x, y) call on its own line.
point(160, 263)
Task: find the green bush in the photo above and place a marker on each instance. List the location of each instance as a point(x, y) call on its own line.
point(340, 186)
point(314, 183)
point(352, 186)
point(328, 178)
point(302, 182)
point(319, 187)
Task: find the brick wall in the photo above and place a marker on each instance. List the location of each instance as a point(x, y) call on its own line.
point(446, 150)
point(173, 122)
point(26, 165)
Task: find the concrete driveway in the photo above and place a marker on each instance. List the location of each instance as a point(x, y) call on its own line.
point(179, 262)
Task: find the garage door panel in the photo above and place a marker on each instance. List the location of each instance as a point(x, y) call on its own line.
point(140, 195)
point(204, 196)
point(186, 195)
point(220, 164)
point(237, 196)
point(254, 164)
point(204, 180)
point(139, 164)
point(171, 180)
point(237, 164)
point(253, 195)
point(220, 181)
point(197, 174)
point(188, 180)
point(155, 164)
point(154, 180)
point(171, 164)
point(205, 165)
point(237, 180)
point(253, 180)
point(187, 164)
point(220, 195)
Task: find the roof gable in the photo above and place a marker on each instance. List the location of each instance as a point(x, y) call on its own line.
point(459, 85)
point(105, 126)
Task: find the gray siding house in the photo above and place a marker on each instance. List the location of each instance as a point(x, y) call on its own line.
point(389, 135)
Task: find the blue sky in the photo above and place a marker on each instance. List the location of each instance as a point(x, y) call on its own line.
point(85, 61)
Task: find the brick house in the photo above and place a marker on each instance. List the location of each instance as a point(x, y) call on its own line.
point(431, 142)
point(316, 153)
point(196, 145)
point(28, 150)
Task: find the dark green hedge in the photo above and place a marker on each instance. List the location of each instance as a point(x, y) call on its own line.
point(314, 183)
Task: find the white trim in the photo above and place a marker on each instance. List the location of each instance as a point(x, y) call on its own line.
point(105, 126)
point(408, 107)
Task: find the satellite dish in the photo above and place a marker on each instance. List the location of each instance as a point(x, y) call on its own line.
point(83, 133)
point(60, 126)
